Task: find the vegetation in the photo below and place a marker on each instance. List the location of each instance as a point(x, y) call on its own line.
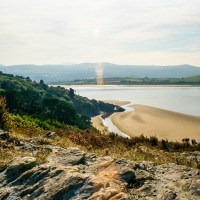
point(49, 106)
point(193, 80)
point(36, 109)
point(91, 140)
point(4, 115)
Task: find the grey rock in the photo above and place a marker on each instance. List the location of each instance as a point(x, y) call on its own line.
point(167, 182)
point(194, 188)
point(127, 175)
point(17, 167)
point(126, 171)
point(51, 135)
point(71, 156)
point(72, 174)
point(4, 135)
point(62, 180)
point(166, 194)
point(143, 175)
point(30, 147)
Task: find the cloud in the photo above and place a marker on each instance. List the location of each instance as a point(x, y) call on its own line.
point(45, 31)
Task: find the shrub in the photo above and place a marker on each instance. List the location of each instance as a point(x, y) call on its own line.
point(165, 145)
point(153, 140)
point(4, 115)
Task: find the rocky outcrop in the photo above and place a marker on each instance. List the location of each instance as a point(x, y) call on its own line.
point(167, 182)
point(68, 174)
point(73, 174)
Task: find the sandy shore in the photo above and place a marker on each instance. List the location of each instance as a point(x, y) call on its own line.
point(154, 121)
point(97, 121)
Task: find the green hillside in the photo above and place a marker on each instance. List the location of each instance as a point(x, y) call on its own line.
point(53, 104)
point(193, 80)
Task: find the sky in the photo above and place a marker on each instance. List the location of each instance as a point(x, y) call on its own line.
point(137, 32)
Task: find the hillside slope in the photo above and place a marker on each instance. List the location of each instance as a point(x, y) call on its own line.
point(192, 80)
point(25, 97)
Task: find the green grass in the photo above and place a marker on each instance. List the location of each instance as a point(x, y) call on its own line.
point(194, 80)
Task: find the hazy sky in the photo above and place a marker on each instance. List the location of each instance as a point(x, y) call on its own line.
point(159, 32)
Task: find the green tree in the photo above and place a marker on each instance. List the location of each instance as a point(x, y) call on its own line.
point(71, 92)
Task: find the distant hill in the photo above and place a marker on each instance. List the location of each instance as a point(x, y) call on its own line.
point(69, 72)
point(192, 80)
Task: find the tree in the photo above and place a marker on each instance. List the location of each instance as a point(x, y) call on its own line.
point(41, 82)
point(49, 104)
point(28, 79)
point(64, 112)
point(71, 92)
point(44, 86)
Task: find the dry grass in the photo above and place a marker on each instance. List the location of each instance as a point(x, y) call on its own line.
point(118, 147)
point(42, 154)
point(11, 148)
point(8, 151)
point(137, 149)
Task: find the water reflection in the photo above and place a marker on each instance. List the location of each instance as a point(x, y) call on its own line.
point(179, 99)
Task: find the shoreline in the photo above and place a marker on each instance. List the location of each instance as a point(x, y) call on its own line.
point(92, 85)
point(152, 121)
point(98, 122)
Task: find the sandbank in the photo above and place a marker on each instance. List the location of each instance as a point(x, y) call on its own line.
point(97, 121)
point(151, 121)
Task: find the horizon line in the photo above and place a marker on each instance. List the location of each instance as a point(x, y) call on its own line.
point(65, 64)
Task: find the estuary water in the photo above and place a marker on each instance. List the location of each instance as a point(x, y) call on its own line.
point(175, 98)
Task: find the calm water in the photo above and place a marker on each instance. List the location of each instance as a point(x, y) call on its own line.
point(180, 99)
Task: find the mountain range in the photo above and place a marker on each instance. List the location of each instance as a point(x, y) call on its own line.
point(69, 72)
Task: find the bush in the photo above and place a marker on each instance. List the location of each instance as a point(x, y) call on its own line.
point(23, 122)
point(164, 145)
point(4, 115)
point(153, 140)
